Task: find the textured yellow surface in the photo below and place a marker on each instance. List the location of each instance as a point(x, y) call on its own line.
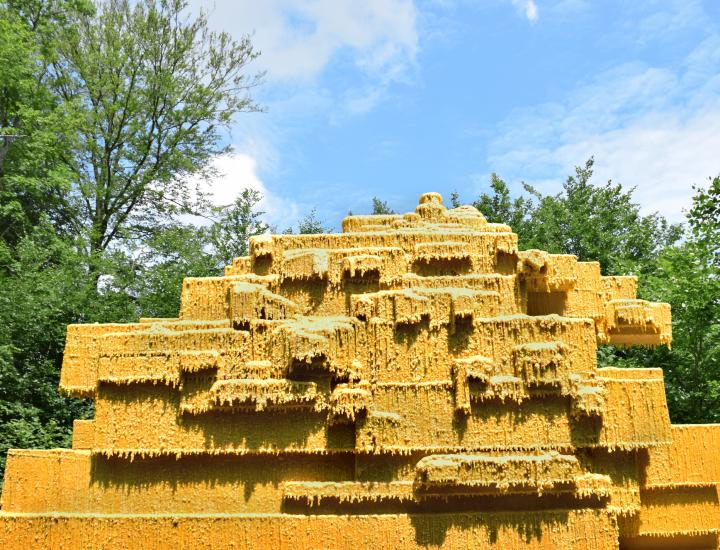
point(415, 381)
point(572, 530)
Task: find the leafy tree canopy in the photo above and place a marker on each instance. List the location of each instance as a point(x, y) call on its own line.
point(311, 223)
point(381, 207)
point(594, 222)
point(152, 90)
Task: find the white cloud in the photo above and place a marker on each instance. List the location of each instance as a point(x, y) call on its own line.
point(363, 101)
point(238, 171)
point(665, 21)
point(326, 60)
point(654, 128)
point(299, 38)
point(663, 154)
point(528, 7)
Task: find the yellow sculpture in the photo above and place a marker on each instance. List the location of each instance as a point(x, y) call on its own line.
point(415, 381)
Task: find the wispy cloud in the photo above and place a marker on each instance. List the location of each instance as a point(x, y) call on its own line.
point(663, 22)
point(656, 128)
point(299, 38)
point(528, 8)
point(326, 60)
point(236, 172)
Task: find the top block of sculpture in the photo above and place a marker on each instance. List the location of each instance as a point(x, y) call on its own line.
point(414, 381)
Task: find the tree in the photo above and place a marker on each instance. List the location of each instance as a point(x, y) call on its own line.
point(46, 19)
point(501, 208)
point(235, 224)
point(381, 207)
point(704, 220)
point(144, 278)
point(43, 287)
point(152, 90)
point(32, 125)
point(692, 368)
point(689, 280)
point(603, 223)
point(594, 222)
point(311, 223)
point(455, 199)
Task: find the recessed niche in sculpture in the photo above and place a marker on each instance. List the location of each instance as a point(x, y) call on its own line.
point(415, 381)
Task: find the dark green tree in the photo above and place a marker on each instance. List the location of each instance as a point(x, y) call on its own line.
point(311, 223)
point(594, 222)
point(381, 207)
point(500, 207)
point(153, 90)
point(43, 283)
point(43, 287)
point(235, 224)
point(689, 279)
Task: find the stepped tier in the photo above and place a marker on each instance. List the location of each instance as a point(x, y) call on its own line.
point(415, 381)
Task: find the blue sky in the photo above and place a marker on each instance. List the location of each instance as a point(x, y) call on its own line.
point(392, 98)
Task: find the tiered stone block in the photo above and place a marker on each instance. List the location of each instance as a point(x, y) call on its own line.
point(415, 381)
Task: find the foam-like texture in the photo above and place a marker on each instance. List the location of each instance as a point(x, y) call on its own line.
point(415, 381)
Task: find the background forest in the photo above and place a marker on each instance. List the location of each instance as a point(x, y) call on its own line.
point(108, 111)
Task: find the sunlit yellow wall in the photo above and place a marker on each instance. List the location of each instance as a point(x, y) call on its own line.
point(413, 381)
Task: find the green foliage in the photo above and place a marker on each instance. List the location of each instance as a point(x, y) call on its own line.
point(704, 220)
point(46, 284)
point(594, 222)
point(152, 91)
point(689, 279)
point(46, 19)
point(146, 277)
point(43, 287)
point(381, 207)
point(455, 199)
point(234, 226)
point(33, 181)
point(311, 223)
point(499, 207)
point(145, 280)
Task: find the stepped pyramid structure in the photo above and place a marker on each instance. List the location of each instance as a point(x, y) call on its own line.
point(415, 381)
